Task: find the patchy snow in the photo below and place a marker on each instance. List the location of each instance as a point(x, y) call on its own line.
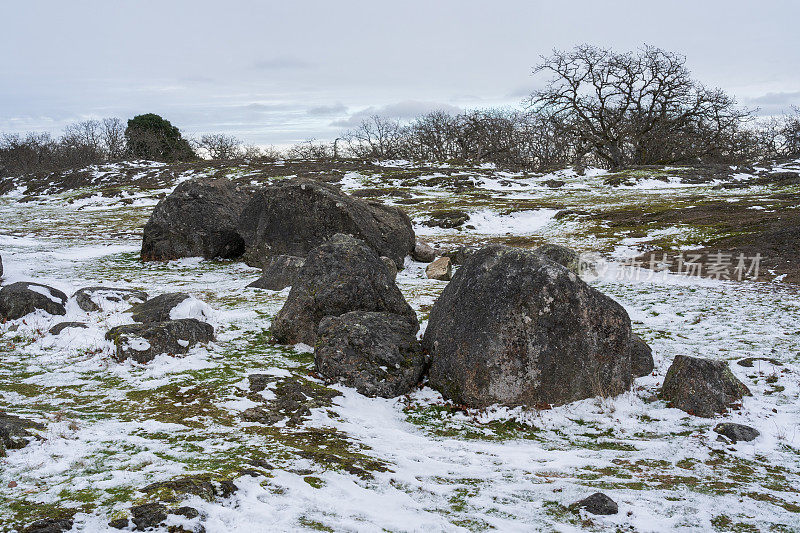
point(114, 427)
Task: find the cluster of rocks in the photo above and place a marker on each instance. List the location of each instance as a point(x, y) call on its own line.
point(512, 327)
point(346, 304)
point(215, 218)
point(155, 332)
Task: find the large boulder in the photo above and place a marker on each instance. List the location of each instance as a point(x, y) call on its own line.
point(701, 387)
point(159, 308)
point(199, 218)
point(378, 354)
point(23, 297)
point(279, 272)
point(293, 217)
point(1, 267)
point(515, 328)
point(423, 252)
point(340, 276)
point(143, 342)
point(95, 298)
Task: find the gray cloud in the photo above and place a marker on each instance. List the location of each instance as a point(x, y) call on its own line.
point(774, 103)
point(328, 110)
point(201, 67)
point(404, 110)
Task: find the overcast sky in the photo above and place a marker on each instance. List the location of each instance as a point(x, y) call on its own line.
point(280, 72)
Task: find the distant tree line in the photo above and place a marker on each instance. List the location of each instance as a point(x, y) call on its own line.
point(598, 107)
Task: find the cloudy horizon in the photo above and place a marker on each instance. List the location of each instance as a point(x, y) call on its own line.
point(274, 73)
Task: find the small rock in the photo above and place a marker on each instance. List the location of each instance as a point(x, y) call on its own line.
point(157, 309)
point(441, 269)
point(378, 354)
point(119, 523)
point(423, 252)
point(701, 387)
point(148, 515)
point(554, 184)
point(736, 432)
point(186, 511)
point(89, 298)
point(460, 255)
point(202, 486)
point(641, 357)
point(390, 266)
point(447, 218)
point(143, 342)
point(24, 297)
point(598, 503)
point(49, 525)
point(748, 362)
point(13, 431)
point(279, 272)
point(61, 326)
point(569, 212)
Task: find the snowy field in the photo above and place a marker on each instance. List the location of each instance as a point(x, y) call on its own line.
point(351, 463)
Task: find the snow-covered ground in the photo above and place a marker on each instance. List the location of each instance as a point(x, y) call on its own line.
point(408, 464)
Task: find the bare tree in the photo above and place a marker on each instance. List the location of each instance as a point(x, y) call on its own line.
point(112, 132)
point(636, 108)
point(376, 137)
point(220, 146)
point(310, 149)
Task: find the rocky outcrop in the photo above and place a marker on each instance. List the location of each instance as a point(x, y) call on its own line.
point(293, 217)
point(143, 342)
point(517, 329)
point(441, 269)
point(641, 357)
point(340, 276)
point(93, 298)
point(378, 354)
point(279, 272)
point(701, 387)
point(159, 308)
point(200, 218)
point(24, 297)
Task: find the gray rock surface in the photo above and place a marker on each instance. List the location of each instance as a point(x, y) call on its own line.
point(143, 342)
point(598, 503)
point(391, 267)
point(378, 354)
point(642, 363)
point(279, 272)
point(157, 309)
point(24, 297)
point(198, 219)
point(701, 387)
point(292, 217)
point(736, 432)
point(566, 257)
point(517, 329)
point(342, 275)
point(423, 252)
point(14, 433)
point(90, 298)
point(61, 326)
